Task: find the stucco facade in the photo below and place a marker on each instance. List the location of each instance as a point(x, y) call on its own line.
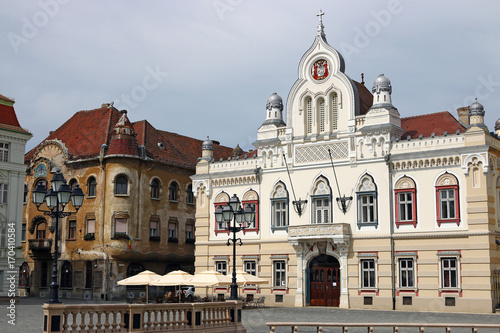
point(420, 228)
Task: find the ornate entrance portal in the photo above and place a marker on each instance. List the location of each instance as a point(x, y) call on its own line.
point(324, 279)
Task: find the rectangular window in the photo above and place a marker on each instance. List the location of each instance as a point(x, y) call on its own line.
point(368, 273)
point(367, 208)
point(279, 211)
point(91, 226)
point(3, 234)
point(405, 205)
point(4, 192)
point(321, 210)
point(1, 279)
point(221, 267)
point(449, 272)
point(72, 229)
point(153, 228)
point(406, 273)
point(279, 273)
point(120, 225)
point(4, 152)
point(250, 267)
point(189, 231)
point(447, 203)
point(172, 230)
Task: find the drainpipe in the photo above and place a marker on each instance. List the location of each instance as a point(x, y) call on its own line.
point(391, 220)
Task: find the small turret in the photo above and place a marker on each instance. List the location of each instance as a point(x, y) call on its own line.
point(476, 114)
point(382, 91)
point(274, 108)
point(207, 149)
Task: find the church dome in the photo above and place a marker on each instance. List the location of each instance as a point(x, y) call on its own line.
point(476, 109)
point(207, 144)
point(274, 101)
point(382, 83)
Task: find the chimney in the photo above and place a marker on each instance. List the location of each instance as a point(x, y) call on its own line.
point(463, 115)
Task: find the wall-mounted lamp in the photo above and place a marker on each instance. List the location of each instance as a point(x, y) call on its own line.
point(298, 205)
point(342, 201)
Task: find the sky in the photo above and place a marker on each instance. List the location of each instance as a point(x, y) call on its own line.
point(207, 67)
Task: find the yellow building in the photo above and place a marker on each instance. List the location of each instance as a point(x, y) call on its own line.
point(138, 211)
point(356, 206)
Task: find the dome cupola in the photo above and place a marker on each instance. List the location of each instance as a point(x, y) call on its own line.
point(207, 144)
point(382, 90)
point(207, 150)
point(476, 114)
point(274, 101)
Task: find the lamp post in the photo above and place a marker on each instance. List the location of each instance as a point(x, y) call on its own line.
point(243, 217)
point(56, 198)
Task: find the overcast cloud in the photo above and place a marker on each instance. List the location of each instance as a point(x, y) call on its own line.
point(207, 67)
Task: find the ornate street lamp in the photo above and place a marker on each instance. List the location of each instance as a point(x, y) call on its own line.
point(342, 201)
point(241, 217)
point(56, 199)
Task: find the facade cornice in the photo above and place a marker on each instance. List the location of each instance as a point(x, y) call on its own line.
point(431, 235)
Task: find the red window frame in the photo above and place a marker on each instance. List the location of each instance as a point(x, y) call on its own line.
point(216, 230)
point(438, 205)
point(256, 202)
point(413, 222)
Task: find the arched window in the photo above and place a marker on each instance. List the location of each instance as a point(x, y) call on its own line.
point(189, 195)
point(134, 269)
point(121, 185)
point(366, 193)
point(73, 183)
point(334, 111)
point(155, 189)
point(91, 187)
point(24, 275)
point(406, 202)
point(321, 197)
point(279, 207)
point(251, 198)
point(88, 275)
point(41, 230)
point(309, 115)
point(447, 199)
point(221, 199)
point(322, 114)
point(172, 191)
point(66, 275)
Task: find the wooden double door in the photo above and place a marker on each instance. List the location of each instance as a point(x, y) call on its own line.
point(324, 282)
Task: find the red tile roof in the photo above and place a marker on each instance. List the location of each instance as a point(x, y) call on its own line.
point(365, 98)
point(85, 133)
point(426, 124)
point(8, 117)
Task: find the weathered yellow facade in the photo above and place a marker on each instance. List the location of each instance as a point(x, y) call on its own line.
point(422, 231)
point(156, 194)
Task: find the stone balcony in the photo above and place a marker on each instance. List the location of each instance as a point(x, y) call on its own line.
point(40, 244)
point(339, 233)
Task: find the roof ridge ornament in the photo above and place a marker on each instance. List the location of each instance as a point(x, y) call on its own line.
point(321, 32)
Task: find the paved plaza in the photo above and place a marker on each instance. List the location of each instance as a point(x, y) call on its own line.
point(29, 316)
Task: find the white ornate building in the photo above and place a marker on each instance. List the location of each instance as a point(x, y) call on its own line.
point(403, 214)
point(13, 140)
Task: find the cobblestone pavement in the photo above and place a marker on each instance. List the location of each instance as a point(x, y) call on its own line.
point(29, 316)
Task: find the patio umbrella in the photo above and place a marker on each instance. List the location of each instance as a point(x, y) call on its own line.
point(244, 278)
point(142, 279)
point(174, 278)
point(210, 278)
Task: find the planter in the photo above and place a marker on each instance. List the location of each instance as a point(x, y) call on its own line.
point(173, 240)
point(89, 237)
point(154, 238)
point(120, 236)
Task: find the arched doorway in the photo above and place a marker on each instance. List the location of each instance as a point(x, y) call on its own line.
point(324, 281)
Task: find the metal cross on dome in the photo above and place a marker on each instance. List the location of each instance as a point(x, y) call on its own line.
point(320, 14)
point(320, 24)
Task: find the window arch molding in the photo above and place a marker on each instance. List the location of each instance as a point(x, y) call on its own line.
point(279, 206)
point(366, 200)
point(122, 183)
point(405, 197)
point(251, 197)
point(91, 186)
point(447, 199)
point(155, 186)
point(321, 200)
point(173, 191)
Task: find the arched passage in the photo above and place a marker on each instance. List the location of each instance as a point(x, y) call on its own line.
point(324, 281)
